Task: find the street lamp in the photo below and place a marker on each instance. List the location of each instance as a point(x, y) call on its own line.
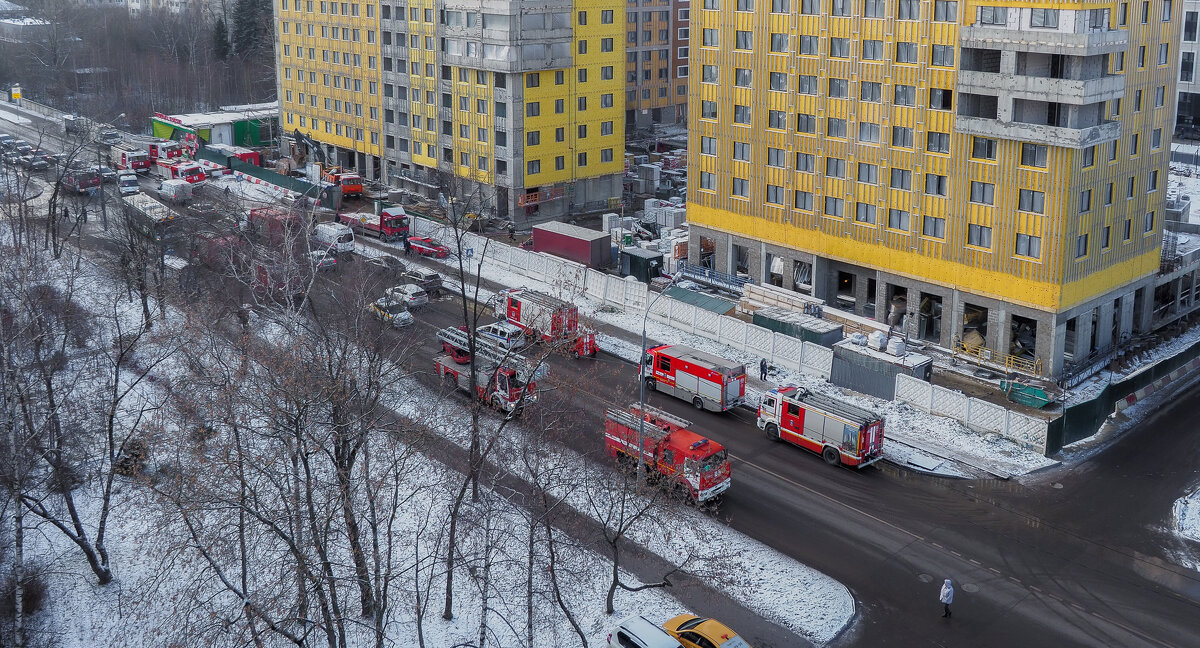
point(103, 210)
point(641, 464)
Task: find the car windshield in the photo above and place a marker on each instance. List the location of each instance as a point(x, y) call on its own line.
point(394, 308)
point(712, 461)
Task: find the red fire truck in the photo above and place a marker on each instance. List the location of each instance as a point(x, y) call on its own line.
point(132, 159)
point(546, 318)
point(275, 226)
point(390, 224)
point(504, 380)
point(839, 432)
point(164, 150)
point(709, 382)
point(694, 464)
point(180, 170)
point(455, 344)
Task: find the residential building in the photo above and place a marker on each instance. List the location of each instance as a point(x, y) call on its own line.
point(518, 110)
point(656, 51)
point(988, 176)
point(1189, 74)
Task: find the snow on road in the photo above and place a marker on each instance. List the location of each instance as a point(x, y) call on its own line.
point(14, 118)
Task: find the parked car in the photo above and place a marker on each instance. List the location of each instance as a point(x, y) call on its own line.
point(426, 246)
point(390, 266)
point(33, 163)
point(429, 280)
point(637, 632)
point(411, 294)
point(323, 260)
point(5, 140)
point(108, 137)
point(391, 311)
point(106, 174)
point(507, 335)
point(700, 632)
point(22, 147)
point(203, 209)
point(50, 158)
point(12, 159)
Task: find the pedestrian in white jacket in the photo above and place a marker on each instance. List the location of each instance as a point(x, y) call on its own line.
point(947, 597)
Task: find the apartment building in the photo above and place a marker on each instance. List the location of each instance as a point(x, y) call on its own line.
point(656, 50)
point(518, 111)
point(1189, 80)
point(985, 175)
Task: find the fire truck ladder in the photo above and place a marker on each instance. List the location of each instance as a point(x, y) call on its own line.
point(657, 417)
point(493, 353)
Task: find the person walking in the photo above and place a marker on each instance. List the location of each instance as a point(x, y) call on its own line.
point(947, 597)
point(83, 216)
point(407, 247)
point(762, 369)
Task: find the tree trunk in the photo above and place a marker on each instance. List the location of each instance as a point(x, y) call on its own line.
point(451, 547)
point(533, 525)
point(18, 568)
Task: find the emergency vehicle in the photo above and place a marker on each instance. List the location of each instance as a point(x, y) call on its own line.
point(390, 224)
point(351, 183)
point(135, 160)
point(670, 450)
point(545, 318)
point(180, 170)
point(841, 433)
point(503, 380)
point(709, 382)
point(164, 150)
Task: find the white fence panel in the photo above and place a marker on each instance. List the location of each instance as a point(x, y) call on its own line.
point(949, 403)
point(1027, 430)
point(985, 416)
point(914, 391)
point(816, 360)
point(636, 295)
point(788, 351)
point(732, 332)
point(596, 282)
point(758, 341)
point(708, 324)
point(683, 315)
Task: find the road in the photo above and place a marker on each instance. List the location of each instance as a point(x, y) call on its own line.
point(1072, 557)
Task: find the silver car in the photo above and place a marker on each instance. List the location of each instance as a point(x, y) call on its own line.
point(410, 294)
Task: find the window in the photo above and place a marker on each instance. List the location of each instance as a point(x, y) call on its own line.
point(838, 88)
point(743, 40)
point(1191, 23)
point(744, 5)
point(908, 10)
point(1085, 200)
point(834, 207)
point(776, 157)
point(708, 180)
point(1133, 144)
point(1047, 18)
point(898, 219)
point(835, 127)
point(741, 114)
point(864, 213)
point(779, 43)
point(806, 123)
point(945, 11)
point(1108, 195)
point(533, 138)
point(1160, 96)
point(936, 142)
point(1187, 67)
point(803, 200)
point(902, 136)
point(1028, 246)
point(777, 119)
point(868, 173)
point(741, 187)
point(941, 99)
point(708, 146)
point(979, 236)
point(1106, 238)
point(906, 52)
point(741, 77)
point(606, 44)
point(709, 74)
point(1089, 157)
point(1166, 10)
point(901, 179)
point(582, 18)
point(708, 38)
point(1152, 181)
point(1156, 138)
point(1032, 201)
point(606, 128)
point(1127, 230)
point(835, 167)
point(870, 91)
point(905, 95)
point(606, 17)
point(533, 167)
point(983, 193)
point(1164, 52)
point(993, 15)
point(806, 84)
point(708, 110)
point(581, 160)
point(934, 227)
point(1130, 187)
point(868, 132)
point(942, 56)
point(936, 185)
point(805, 162)
point(533, 109)
point(874, 9)
point(809, 45)
point(1148, 223)
point(983, 148)
point(779, 6)
point(839, 48)
point(741, 151)
point(1081, 245)
point(872, 50)
point(774, 195)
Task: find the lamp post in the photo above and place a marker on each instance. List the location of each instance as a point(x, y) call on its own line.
point(641, 464)
point(103, 209)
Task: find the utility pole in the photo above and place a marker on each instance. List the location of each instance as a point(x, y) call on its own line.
point(103, 211)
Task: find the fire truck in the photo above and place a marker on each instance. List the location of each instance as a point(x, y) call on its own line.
point(670, 450)
point(454, 343)
point(503, 379)
point(390, 224)
point(275, 226)
point(709, 382)
point(841, 433)
point(132, 159)
point(546, 318)
point(351, 183)
point(180, 170)
point(164, 150)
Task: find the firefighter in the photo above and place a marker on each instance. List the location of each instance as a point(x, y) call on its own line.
point(762, 369)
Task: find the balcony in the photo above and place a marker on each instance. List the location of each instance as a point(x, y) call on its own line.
point(1074, 138)
point(1069, 91)
point(1090, 43)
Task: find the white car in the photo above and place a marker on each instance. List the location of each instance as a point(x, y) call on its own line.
point(638, 632)
point(322, 260)
point(392, 312)
point(410, 294)
point(504, 334)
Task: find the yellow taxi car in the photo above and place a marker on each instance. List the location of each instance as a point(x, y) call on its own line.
point(699, 632)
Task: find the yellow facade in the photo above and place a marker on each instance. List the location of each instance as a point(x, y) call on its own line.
point(865, 122)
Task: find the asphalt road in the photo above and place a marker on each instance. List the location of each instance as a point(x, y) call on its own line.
point(1072, 557)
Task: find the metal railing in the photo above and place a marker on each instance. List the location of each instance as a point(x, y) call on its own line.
point(984, 355)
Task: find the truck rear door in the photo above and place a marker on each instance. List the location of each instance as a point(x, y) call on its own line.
point(513, 312)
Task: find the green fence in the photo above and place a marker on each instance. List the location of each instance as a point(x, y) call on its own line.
point(1083, 420)
point(298, 185)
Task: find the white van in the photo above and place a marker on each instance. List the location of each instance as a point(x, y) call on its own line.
point(334, 237)
point(175, 191)
point(127, 181)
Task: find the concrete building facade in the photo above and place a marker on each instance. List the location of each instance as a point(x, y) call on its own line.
point(987, 176)
point(1189, 67)
point(516, 110)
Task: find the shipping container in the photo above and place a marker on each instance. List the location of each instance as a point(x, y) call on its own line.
point(799, 325)
point(574, 243)
point(640, 264)
point(872, 372)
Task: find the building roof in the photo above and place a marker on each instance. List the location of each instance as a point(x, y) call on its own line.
point(227, 114)
point(574, 231)
point(700, 300)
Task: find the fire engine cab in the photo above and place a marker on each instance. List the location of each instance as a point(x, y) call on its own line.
point(709, 382)
point(696, 465)
point(503, 379)
point(545, 318)
point(841, 433)
point(135, 160)
point(164, 150)
point(180, 170)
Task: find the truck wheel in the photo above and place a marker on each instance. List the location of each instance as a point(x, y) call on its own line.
point(697, 403)
point(496, 404)
point(772, 432)
point(831, 456)
point(451, 383)
point(651, 384)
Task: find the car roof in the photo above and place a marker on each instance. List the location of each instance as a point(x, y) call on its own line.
point(507, 326)
point(712, 629)
point(650, 634)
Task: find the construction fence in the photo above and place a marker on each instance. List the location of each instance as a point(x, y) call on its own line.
point(979, 415)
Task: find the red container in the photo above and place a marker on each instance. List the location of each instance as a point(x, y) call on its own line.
point(579, 244)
